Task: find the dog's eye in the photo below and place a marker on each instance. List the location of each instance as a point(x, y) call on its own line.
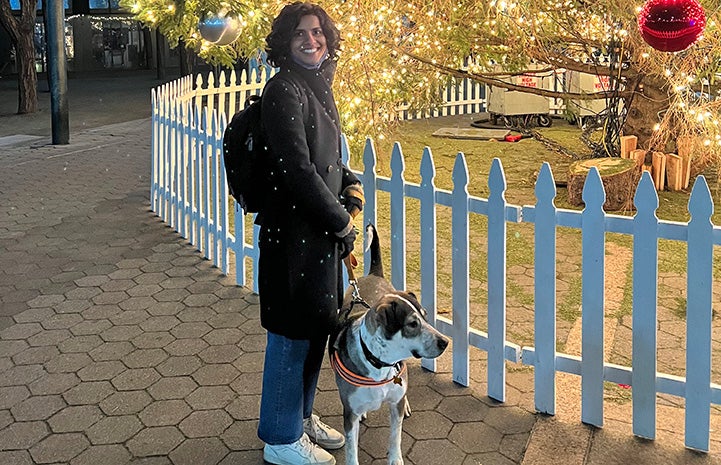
point(413, 324)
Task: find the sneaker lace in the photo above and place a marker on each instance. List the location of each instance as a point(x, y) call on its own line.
point(318, 426)
point(307, 447)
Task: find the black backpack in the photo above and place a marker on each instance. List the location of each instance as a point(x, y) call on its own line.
point(244, 154)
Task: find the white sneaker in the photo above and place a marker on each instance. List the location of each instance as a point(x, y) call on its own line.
point(301, 452)
point(322, 434)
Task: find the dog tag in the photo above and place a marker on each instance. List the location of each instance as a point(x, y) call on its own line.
point(398, 380)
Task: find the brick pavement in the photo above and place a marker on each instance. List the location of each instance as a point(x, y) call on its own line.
point(120, 344)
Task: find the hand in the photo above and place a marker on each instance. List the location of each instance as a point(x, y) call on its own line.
point(353, 199)
point(347, 243)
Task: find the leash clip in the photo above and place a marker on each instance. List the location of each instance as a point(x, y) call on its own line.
point(356, 292)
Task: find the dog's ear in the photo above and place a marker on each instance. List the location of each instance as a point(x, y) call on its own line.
point(411, 297)
point(390, 316)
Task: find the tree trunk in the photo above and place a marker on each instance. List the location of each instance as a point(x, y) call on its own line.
point(619, 177)
point(27, 77)
point(643, 114)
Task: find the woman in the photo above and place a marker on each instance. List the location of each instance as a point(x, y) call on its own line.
point(305, 232)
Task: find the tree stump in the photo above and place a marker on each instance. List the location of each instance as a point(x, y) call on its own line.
point(619, 177)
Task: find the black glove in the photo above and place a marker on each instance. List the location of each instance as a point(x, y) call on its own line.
point(353, 198)
point(347, 243)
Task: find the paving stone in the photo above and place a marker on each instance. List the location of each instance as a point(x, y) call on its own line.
point(99, 312)
point(103, 454)
point(111, 351)
point(145, 358)
point(22, 435)
point(114, 430)
point(248, 383)
point(190, 330)
point(37, 408)
point(153, 340)
point(177, 387)
point(171, 295)
point(200, 300)
point(195, 314)
point(82, 294)
point(74, 419)
point(220, 353)
point(244, 408)
point(213, 375)
point(121, 333)
point(135, 379)
point(183, 347)
point(88, 327)
point(253, 343)
point(427, 425)
point(35, 355)
point(242, 435)
point(6, 419)
point(12, 395)
point(250, 363)
point(227, 320)
point(45, 301)
point(59, 448)
point(208, 451)
point(165, 308)
point(118, 285)
point(68, 363)
point(92, 281)
point(210, 397)
point(510, 419)
point(16, 457)
point(463, 408)
point(62, 321)
point(80, 343)
point(53, 383)
point(137, 303)
point(435, 451)
point(125, 403)
point(21, 331)
point(475, 437)
point(51, 337)
point(165, 412)
point(77, 305)
point(205, 423)
point(158, 440)
point(88, 392)
point(129, 317)
point(99, 371)
point(223, 336)
point(34, 315)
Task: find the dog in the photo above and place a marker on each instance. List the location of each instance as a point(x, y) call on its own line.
point(369, 349)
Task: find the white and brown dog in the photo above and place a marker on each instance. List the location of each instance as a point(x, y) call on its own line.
point(369, 349)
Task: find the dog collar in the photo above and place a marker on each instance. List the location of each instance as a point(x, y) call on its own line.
point(375, 361)
point(364, 381)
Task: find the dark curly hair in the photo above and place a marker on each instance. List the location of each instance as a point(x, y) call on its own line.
point(278, 41)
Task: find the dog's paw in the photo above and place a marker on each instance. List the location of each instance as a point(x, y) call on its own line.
point(395, 461)
point(363, 417)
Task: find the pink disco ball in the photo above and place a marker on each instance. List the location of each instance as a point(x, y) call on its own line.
point(671, 25)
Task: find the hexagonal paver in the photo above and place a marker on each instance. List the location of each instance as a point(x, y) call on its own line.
point(145, 358)
point(37, 408)
point(165, 413)
point(62, 321)
point(179, 366)
point(463, 408)
point(224, 336)
point(111, 351)
point(436, 451)
point(210, 397)
point(54, 383)
point(191, 330)
point(74, 419)
point(135, 379)
point(103, 454)
point(125, 403)
point(121, 333)
point(220, 353)
point(51, 337)
point(176, 387)
point(87, 327)
point(114, 430)
point(200, 450)
point(35, 355)
point(206, 423)
point(153, 340)
point(100, 371)
point(12, 395)
point(158, 440)
point(87, 393)
point(59, 448)
point(160, 323)
point(248, 383)
point(21, 331)
point(253, 363)
point(213, 375)
point(22, 435)
point(183, 347)
point(244, 408)
point(129, 317)
point(510, 419)
point(80, 343)
point(427, 425)
point(242, 435)
point(475, 437)
point(68, 363)
point(16, 457)
point(227, 320)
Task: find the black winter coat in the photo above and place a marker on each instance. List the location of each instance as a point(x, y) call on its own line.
point(300, 274)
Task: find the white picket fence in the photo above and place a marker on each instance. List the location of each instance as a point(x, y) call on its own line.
point(189, 192)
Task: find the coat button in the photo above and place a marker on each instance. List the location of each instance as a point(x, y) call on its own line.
point(330, 168)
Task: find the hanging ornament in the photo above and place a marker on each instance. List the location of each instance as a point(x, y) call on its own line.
point(671, 25)
point(219, 29)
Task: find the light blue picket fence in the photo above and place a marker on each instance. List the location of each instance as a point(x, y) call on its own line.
point(189, 192)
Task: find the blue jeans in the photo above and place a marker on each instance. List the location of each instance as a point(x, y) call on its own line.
point(290, 377)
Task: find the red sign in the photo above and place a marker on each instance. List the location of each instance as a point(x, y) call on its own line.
point(602, 83)
point(528, 81)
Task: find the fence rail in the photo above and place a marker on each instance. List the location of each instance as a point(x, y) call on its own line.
point(188, 191)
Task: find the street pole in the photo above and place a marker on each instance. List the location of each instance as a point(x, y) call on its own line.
point(57, 72)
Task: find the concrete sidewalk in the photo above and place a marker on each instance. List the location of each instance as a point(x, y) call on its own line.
point(120, 344)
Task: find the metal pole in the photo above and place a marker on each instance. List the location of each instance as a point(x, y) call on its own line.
point(57, 72)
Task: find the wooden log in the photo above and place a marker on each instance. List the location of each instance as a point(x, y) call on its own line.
point(674, 172)
point(639, 155)
point(628, 145)
point(684, 148)
point(619, 177)
point(658, 172)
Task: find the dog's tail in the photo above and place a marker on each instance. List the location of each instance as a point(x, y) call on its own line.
point(376, 268)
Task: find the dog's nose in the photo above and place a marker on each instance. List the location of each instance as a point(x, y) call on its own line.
point(442, 344)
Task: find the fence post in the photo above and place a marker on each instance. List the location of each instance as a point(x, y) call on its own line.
point(368, 178)
point(459, 270)
point(398, 219)
point(645, 281)
point(496, 282)
point(698, 316)
point(593, 252)
point(428, 243)
point(545, 293)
